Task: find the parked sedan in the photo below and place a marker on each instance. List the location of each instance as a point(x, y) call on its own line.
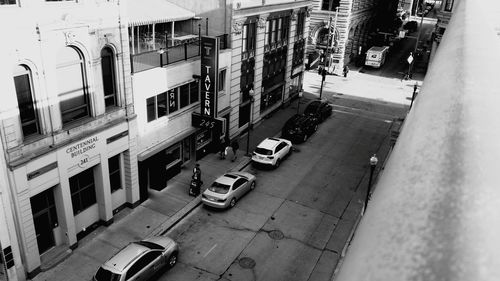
point(299, 127)
point(271, 151)
point(139, 260)
point(228, 189)
point(320, 109)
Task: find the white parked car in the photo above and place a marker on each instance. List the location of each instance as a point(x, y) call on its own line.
point(227, 189)
point(272, 151)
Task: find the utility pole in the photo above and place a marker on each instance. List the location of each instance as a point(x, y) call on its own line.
point(418, 35)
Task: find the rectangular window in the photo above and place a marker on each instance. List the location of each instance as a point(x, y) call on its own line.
point(244, 36)
point(172, 101)
point(115, 179)
point(7, 2)
point(222, 80)
point(193, 92)
point(300, 25)
point(273, 31)
point(184, 95)
point(82, 191)
point(330, 5)
point(150, 105)
point(266, 37)
point(161, 104)
point(449, 5)
point(279, 29)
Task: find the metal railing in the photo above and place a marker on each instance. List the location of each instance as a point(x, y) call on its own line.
point(435, 213)
point(165, 56)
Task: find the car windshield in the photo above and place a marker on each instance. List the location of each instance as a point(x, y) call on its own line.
point(106, 275)
point(263, 151)
point(218, 187)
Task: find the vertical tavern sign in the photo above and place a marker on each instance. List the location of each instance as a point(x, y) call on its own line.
point(209, 75)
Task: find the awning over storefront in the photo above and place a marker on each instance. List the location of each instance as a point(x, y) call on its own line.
point(142, 12)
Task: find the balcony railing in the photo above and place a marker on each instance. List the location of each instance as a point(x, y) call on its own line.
point(159, 58)
point(435, 212)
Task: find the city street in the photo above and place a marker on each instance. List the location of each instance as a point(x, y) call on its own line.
point(293, 225)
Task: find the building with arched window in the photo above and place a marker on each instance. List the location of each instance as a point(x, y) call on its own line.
point(339, 31)
point(68, 128)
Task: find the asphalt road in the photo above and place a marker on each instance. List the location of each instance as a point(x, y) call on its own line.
point(294, 225)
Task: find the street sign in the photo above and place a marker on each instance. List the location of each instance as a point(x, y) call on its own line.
point(206, 122)
point(410, 59)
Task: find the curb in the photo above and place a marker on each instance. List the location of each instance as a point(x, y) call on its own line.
point(347, 244)
point(182, 213)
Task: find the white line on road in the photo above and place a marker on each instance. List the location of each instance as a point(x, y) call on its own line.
point(357, 114)
point(210, 251)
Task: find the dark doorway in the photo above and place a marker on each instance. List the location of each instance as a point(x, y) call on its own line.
point(45, 219)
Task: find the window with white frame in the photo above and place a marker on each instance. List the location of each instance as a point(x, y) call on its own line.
point(222, 80)
point(448, 5)
point(171, 101)
point(72, 85)
point(115, 178)
point(27, 111)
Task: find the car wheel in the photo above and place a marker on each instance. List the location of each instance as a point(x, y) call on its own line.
point(232, 203)
point(278, 162)
point(315, 127)
point(252, 186)
point(304, 138)
point(172, 260)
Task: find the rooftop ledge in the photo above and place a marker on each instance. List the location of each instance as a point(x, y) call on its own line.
point(435, 214)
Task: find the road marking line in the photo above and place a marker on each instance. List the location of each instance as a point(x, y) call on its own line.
point(210, 251)
point(364, 116)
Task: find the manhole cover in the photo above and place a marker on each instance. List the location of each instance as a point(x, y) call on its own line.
point(247, 262)
point(276, 235)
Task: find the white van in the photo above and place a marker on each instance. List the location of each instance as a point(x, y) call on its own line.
point(375, 56)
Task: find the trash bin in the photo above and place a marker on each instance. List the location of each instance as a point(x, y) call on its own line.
point(194, 187)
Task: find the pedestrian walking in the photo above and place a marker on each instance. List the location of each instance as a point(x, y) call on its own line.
point(235, 146)
point(346, 70)
point(223, 148)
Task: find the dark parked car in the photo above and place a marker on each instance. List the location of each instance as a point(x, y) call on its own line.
point(320, 109)
point(299, 127)
point(411, 26)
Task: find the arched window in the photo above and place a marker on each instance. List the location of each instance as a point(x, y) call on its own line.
point(25, 101)
point(108, 77)
point(72, 85)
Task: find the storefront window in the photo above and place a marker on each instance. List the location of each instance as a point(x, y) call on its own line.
point(82, 191)
point(203, 138)
point(114, 173)
point(173, 155)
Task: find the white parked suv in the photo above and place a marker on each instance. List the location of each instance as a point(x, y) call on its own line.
point(272, 151)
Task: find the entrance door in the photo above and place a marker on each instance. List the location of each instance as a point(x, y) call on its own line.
point(45, 219)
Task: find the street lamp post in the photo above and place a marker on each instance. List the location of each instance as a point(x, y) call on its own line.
point(251, 92)
point(373, 164)
point(298, 102)
point(414, 93)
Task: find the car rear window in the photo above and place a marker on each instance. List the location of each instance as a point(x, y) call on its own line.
point(312, 107)
point(263, 151)
point(150, 245)
point(220, 188)
point(106, 275)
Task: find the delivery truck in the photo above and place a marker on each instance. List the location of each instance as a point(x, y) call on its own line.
point(375, 56)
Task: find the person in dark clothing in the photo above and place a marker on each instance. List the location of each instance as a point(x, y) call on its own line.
point(235, 146)
point(346, 70)
point(222, 149)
